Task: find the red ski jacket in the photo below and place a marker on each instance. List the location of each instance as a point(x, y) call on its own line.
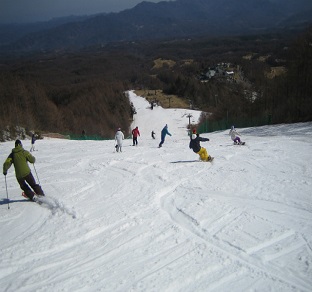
point(136, 132)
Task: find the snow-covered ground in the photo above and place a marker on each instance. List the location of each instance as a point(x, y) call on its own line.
point(134, 221)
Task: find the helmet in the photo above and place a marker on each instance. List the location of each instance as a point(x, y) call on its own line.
point(18, 142)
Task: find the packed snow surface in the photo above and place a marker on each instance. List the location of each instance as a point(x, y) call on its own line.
point(135, 221)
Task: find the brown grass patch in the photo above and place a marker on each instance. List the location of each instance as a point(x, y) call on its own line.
point(163, 99)
point(159, 63)
point(276, 71)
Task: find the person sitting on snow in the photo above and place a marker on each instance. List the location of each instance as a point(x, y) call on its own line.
point(201, 151)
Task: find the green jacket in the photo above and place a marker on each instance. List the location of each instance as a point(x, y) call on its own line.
point(19, 158)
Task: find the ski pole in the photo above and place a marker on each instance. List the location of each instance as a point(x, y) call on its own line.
point(36, 174)
point(6, 187)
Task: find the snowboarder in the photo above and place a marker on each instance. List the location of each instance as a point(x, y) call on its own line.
point(33, 140)
point(119, 137)
point(235, 136)
point(164, 132)
point(153, 134)
point(135, 134)
point(20, 158)
point(201, 151)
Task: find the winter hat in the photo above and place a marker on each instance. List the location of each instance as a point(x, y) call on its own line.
point(194, 136)
point(194, 131)
point(18, 142)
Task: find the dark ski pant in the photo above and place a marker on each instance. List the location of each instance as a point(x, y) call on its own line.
point(162, 141)
point(27, 181)
point(135, 141)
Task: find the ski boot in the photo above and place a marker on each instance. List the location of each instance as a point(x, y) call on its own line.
point(30, 196)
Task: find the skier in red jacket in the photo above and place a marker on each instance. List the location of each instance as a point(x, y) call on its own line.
point(135, 134)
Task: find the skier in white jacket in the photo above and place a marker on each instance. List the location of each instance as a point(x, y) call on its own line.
point(119, 137)
point(234, 136)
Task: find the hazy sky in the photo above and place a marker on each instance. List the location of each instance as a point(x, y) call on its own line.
point(37, 10)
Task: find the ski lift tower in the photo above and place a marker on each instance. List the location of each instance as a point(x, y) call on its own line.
point(189, 116)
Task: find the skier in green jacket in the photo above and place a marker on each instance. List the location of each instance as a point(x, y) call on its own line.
point(20, 158)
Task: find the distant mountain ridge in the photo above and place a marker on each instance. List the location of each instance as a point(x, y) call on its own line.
point(174, 19)
point(12, 32)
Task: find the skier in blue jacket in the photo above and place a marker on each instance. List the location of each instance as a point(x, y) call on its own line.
point(164, 132)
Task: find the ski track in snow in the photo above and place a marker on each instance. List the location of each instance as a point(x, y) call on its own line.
point(133, 221)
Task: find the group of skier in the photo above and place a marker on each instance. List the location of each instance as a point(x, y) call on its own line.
point(195, 140)
point(20, 157)
point(119, 137)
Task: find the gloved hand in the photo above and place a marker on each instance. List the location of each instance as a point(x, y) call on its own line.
point(4, 173)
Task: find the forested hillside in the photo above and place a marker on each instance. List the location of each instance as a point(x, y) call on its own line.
point(66, 94)
point(71, 92)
